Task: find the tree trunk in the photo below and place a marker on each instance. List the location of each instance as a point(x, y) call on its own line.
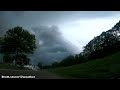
point(16, 57)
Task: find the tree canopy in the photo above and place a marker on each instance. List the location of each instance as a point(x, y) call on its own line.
point(18, 42)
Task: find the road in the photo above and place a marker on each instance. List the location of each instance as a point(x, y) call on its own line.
point(38, 74)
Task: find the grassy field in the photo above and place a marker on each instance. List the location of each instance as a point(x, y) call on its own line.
point(105, 68)
point(13, 67)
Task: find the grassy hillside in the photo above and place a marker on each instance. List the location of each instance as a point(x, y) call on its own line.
point(105, 68)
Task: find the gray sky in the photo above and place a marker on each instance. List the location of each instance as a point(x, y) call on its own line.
point(59, 33)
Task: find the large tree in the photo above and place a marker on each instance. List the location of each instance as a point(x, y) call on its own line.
point(17, 42)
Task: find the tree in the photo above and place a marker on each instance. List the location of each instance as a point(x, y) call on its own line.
point(1, 41)
point(40, 65)
point(22, 60)
point(7, 58)
point(105, 44)
point(18, 41)
point(70, 60)
point(55, 64)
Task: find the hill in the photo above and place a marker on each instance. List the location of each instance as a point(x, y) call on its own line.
point(104, 68)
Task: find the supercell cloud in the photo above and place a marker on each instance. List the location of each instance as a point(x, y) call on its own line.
point(51, 45)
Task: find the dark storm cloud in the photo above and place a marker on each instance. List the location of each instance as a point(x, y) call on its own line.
point(49, 17)
point(98, 14)
point(31, 18)
point(8, 19)
point(52, 46)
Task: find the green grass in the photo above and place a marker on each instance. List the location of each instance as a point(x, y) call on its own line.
point(9, 66)
point(105, 68)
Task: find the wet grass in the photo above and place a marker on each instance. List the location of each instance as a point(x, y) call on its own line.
point(105, 68)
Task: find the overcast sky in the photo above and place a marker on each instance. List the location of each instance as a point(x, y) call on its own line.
point(59, 33)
